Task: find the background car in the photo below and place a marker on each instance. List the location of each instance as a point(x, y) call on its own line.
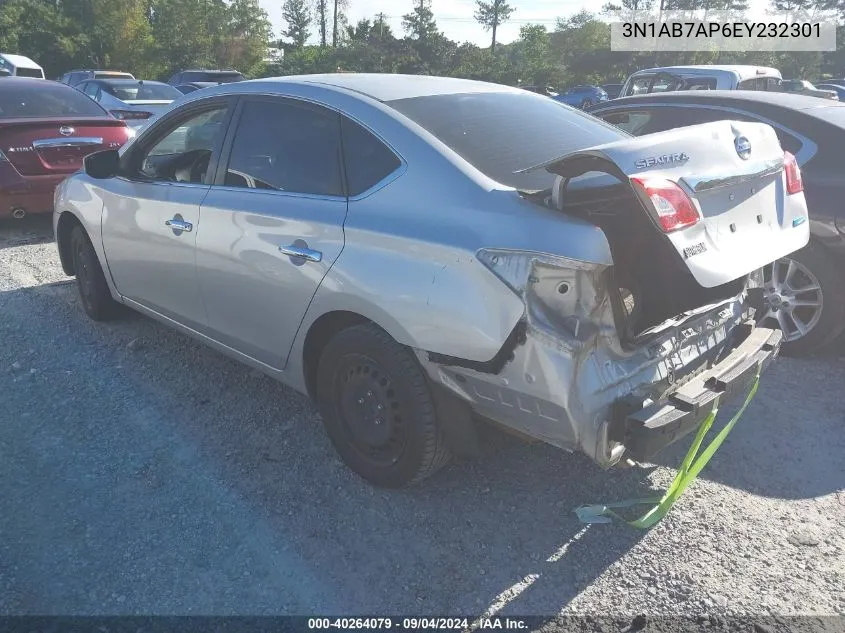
point(701, 77)
point(582, 96)
point(74, 77)
point(196, 85)
point(837, 88)
point(20, 66)
point(46, 129)
point(804, 87)
point(612, 90)
point(805, 292)
point(546, 91)
point(200, 75)
point(131, 100)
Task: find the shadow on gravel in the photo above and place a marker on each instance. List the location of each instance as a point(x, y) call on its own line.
point(33, 229)
point(194, 468)
point(790, 442)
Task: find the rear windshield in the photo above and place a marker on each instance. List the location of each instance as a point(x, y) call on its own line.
point(151, 92)
point(30, 72)
point(500, 133)
point(223, 78)
point(107, 75)
point(44, 99)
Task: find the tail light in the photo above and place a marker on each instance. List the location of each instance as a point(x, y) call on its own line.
point(128, 115)
point(671, 205)
point(794, 182)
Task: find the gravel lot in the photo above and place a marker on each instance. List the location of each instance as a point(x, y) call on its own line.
point(144, 473)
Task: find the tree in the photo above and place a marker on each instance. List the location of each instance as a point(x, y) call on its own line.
point(491, 15)
point(339, 20)
point(322, 10)
point(297, 16)
point(419, 23)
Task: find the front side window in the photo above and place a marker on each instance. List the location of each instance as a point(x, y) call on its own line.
point(91, 90)
point(183, 154)
point(284, 145)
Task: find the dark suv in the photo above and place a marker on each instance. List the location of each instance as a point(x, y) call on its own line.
point(211, 76)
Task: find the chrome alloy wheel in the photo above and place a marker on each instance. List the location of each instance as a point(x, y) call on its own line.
point(793, 298)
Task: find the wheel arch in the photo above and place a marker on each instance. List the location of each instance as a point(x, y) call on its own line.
point(64, 227)
point(319, 334)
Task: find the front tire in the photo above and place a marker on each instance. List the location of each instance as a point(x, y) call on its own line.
point(93, 289)
point(805, 297)
point(378, 409)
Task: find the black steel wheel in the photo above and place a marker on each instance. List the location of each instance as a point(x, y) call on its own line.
point(377, 408)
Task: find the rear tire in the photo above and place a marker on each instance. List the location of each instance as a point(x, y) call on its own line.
point(812, 267)
point(377, 408)
point(94, 291)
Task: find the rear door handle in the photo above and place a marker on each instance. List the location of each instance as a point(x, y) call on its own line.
point(303, 252)
point(179, 225)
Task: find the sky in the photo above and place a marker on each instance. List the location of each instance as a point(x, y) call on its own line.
point(454, 17)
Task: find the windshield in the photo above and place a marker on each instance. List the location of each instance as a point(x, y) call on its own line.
point(500, 133)
point(144, 92)
point(44, 99)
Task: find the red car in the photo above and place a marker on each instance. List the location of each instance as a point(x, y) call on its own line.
point(46, 129)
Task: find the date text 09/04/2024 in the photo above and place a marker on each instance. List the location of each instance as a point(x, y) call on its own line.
point(722, 29)
point(418, 624)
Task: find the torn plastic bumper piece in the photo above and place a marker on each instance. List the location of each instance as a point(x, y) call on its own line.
point(658, 425)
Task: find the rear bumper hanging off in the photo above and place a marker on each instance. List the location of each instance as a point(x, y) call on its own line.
point(652, 428)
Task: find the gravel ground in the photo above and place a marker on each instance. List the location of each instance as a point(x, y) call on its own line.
point(145, 474)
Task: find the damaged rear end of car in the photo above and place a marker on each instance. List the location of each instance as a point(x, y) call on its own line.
point(620, 360)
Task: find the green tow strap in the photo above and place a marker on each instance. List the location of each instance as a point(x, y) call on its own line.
point(688, 471)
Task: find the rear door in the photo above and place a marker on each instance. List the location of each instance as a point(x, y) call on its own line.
point(272, 224)
point(151, 213)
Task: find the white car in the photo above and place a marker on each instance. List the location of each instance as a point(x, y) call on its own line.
point(135, 101)
point(703, 77)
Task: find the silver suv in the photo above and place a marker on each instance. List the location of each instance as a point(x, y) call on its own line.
point(418, 253)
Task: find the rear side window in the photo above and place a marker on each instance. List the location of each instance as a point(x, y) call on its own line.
point(30, 72)
point(500, 133)
point(366, 158)
point(284, 145)
point(34, 99)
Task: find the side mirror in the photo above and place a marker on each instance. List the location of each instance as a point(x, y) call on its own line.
point(102, 165)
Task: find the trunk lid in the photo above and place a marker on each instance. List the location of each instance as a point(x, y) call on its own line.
point(732, 172)
point(41, 147)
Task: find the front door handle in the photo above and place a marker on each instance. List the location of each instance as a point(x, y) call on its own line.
point(179, 225)
point(302, 252)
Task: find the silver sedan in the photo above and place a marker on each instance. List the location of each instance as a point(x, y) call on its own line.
point(418, 254)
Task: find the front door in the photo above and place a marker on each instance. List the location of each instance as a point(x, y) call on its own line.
point(151, 216)
point(272, 224)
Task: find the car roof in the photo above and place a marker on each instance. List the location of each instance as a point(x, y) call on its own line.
point(209, 70)
point(808, 105)
point(740, 69)
point(19, 60)
point(381, 87)
point(785, 99)
point(122, 81)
